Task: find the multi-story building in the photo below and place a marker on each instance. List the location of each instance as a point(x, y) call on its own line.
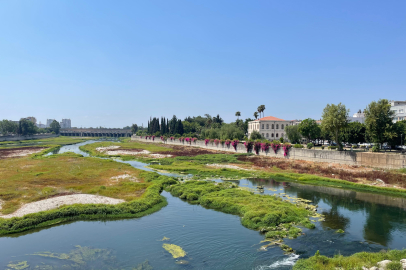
point(270, 127)
point(32, 119)
point(49, 122)
point(399, 108)
point(358, 117)
point(66, 123)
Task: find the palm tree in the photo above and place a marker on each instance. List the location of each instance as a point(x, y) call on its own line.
point(259, 110)
point(238, 114)
point(256, 115)
point(263, 109)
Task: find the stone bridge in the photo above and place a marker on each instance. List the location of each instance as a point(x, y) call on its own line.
point(95, 132)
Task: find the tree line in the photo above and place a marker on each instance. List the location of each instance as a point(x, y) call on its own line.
point(26, 127)
point(335, 126)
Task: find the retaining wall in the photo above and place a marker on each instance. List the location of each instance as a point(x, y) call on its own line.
point(31, 137)
point(377, 160)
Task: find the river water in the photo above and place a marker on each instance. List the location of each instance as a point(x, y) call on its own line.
point(212, 240)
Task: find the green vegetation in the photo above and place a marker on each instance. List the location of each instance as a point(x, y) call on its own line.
point(124, 145)
point(356, 261)
point(309, 129)
point(61, 140)
point(293, 134)
point(174, 250)
point(258, 212)
point(335, 120)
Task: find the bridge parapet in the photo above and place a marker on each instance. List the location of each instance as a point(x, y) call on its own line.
point(95, 132)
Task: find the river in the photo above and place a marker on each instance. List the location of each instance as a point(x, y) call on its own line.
point(212, 239)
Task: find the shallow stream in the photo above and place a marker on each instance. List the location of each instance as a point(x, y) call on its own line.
point(212, 239)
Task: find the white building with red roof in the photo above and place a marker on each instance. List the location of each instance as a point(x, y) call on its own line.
point(270, 127)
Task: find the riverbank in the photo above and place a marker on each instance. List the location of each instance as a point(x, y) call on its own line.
point(368, 260)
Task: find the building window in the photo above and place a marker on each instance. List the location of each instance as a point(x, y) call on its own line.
point(267, 126)
point(262, 126)
point(401, 111)
point(276, 135)
point(272, 135)
point(281, 135)
point(262, 134)
point(277, 126)
point(282, 126)
point(273, 127)
point(267, 135)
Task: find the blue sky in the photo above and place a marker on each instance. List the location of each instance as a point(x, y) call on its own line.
point(114, 63)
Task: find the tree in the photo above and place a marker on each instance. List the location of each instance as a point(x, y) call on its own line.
point(55, 127)
point(354, 133)
point(7, 127)
point(134, 128)
point(378, 121)
point(238, 114)
point(255, 135)
point(26, 127)
point(256, 115)
point(335, 119)
point(400, 129)
point(309, 129)
point(261, 109)
point(293, 134)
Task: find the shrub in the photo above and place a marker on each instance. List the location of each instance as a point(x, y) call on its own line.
point(216, 142)
point(375, 148)
point(248, 145)
point(332, 147)
point(257, 146)
point(322, 147)
point(265, 146)
point(298, 145)
point(286, 147)
point(172, 138)
point(281, 139)
point(194, 139)
point(310, 145)
point(235, 143)
point(206, 141)
point(275, 146)
point(153, 137)
point(394, 266)
point(227, 142)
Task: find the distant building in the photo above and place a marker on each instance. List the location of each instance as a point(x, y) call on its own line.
point(358, 117)
point(41, 125)
point(49, 122)
point(399, 108)
point(66, 123)
point(32, 119)
point(270, 127)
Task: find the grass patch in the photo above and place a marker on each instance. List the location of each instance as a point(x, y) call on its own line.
point(356, 261)
point(268, 214)
point(26, 180)
point(62, 140)
point(124, 145)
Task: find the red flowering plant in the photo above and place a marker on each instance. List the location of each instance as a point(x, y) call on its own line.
point(275, 146)
point(216, 142)
point(153, 137)
point(140, 137)
point(248, 145)
point(227, 143)
point(172, 138)
point(162, 138)
point(180, 139)
point(234, 143)
point(194, 139)
point(265, 146)
point(146, 137)
point(257, 146)
point(188, 140)
point(286, 147)
point(206, 141)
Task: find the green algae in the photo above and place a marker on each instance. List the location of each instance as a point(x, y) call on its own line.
point(164, 239)
point(174, 250)
point(19, 265)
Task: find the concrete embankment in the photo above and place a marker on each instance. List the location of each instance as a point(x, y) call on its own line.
point(376, 160)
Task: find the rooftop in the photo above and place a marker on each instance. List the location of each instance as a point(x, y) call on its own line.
point(270, 118)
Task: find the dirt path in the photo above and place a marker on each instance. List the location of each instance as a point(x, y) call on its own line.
point(19, 152)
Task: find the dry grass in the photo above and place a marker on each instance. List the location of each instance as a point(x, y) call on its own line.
point(24, 180)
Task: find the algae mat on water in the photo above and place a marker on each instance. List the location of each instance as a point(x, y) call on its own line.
point(176, 251)
point(78, 258)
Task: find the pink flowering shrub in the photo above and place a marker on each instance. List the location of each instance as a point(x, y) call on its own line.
point(227, 143)
point(234, 143)
point(265, 146)
point(162, 138)
point(286, 147)
point(248, 145)
point(206, 141)
point(153, 137)
point(257, 147)
point(172, 138)
point(146, 137)
point(140, 137)
point(216, 142)
point(194, 139)
point(275, 146)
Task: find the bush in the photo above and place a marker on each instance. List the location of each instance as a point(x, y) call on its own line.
point(298, 146)
point(322, 147)
point(332, 147)
point(375, 148)
point(394, 266)
point(310, 145)
point(281, 140)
